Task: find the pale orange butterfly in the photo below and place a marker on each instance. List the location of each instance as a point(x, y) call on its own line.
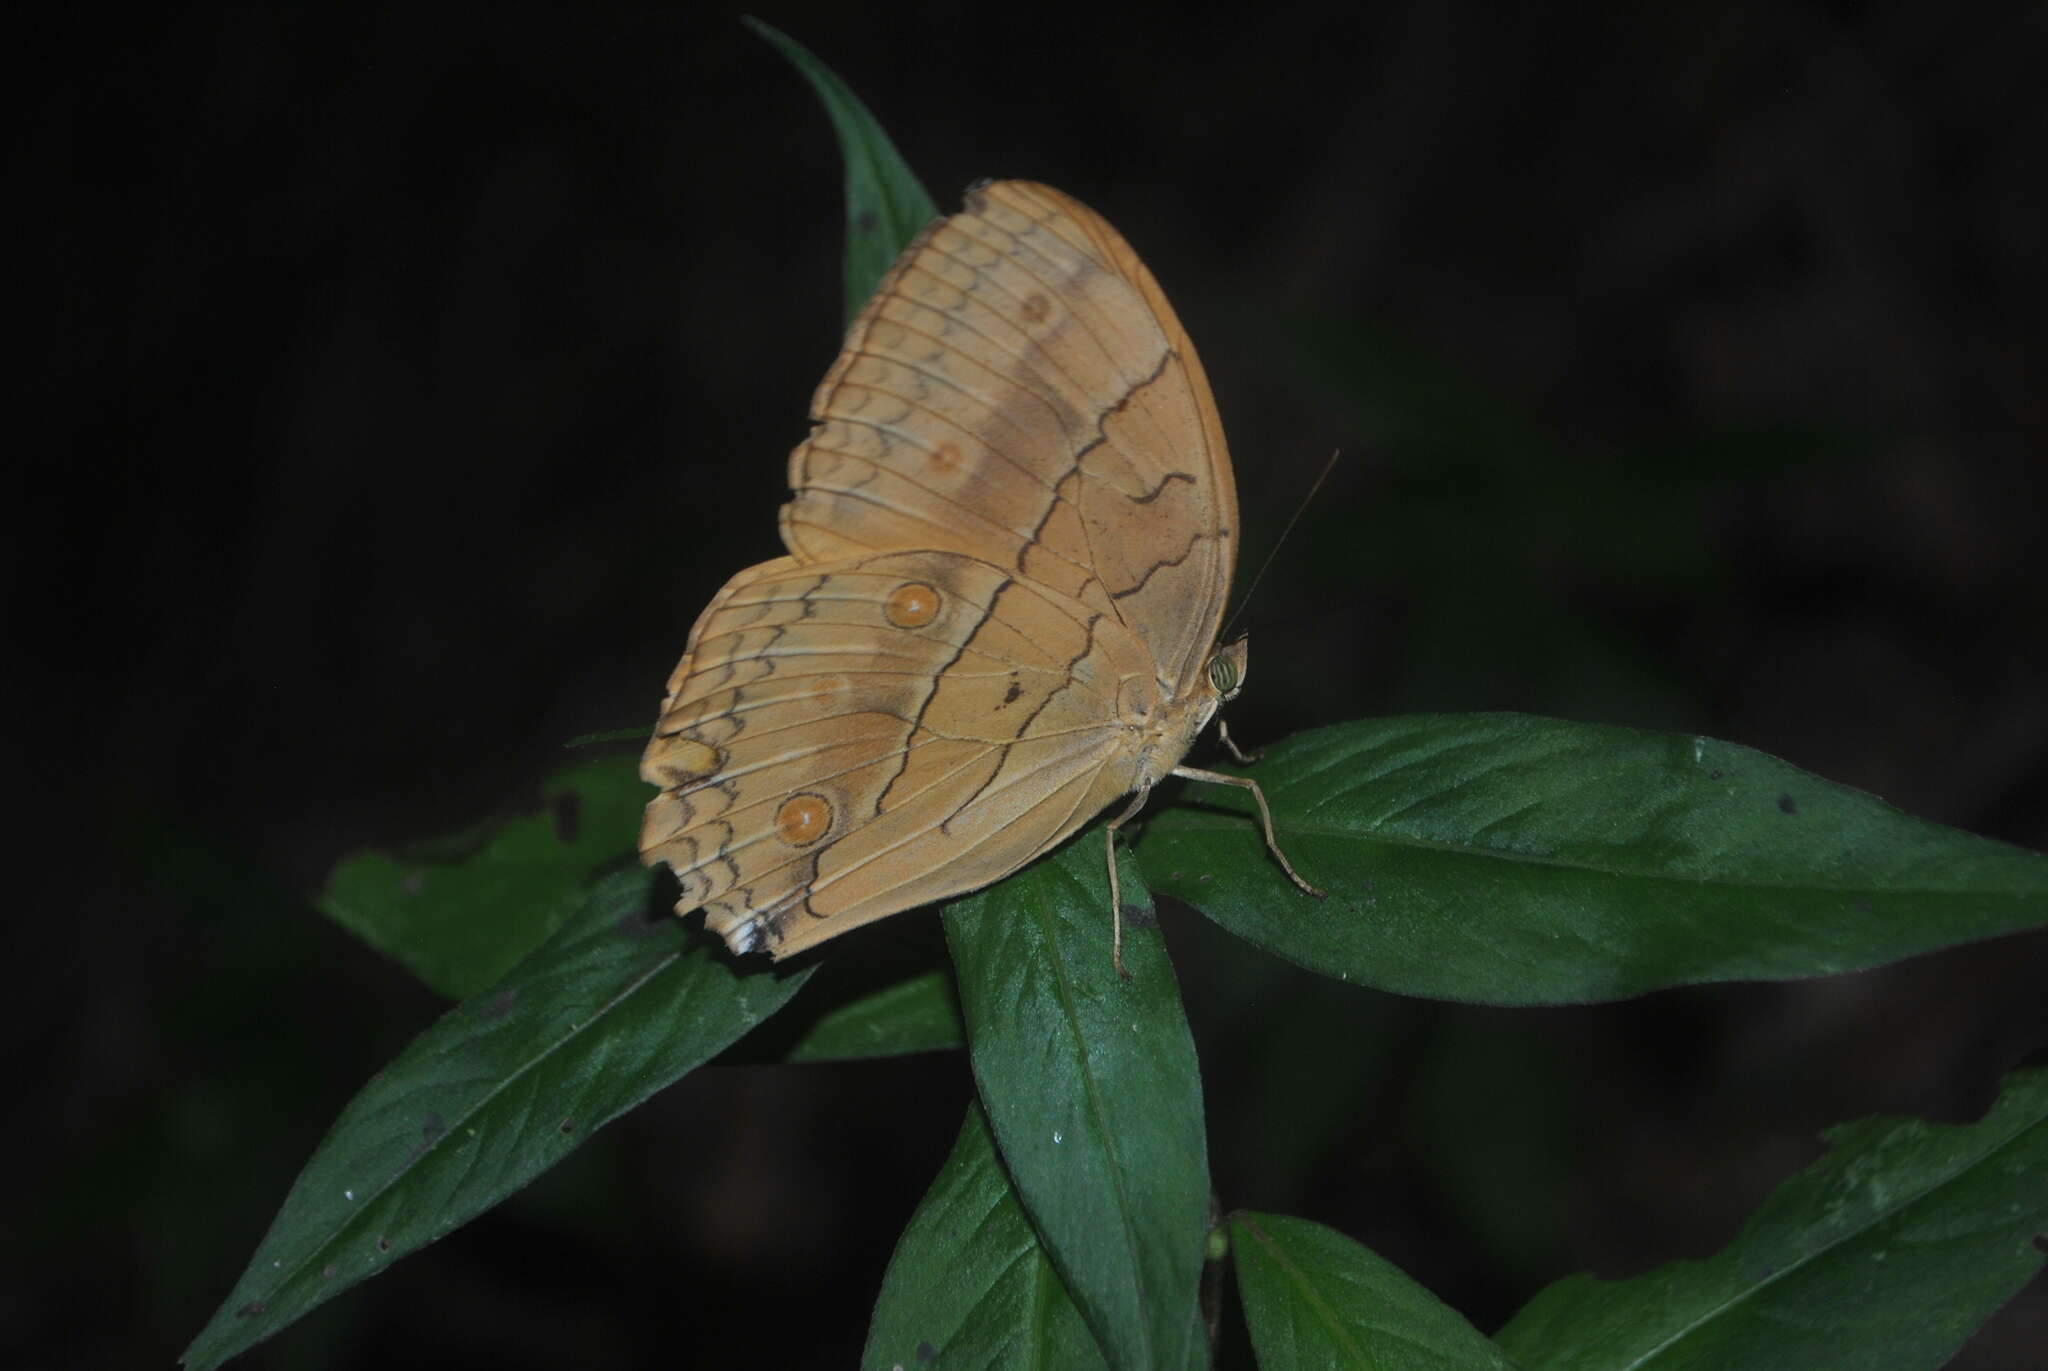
point(1012, 535)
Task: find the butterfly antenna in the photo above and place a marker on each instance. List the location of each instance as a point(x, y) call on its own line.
point(1281, 542)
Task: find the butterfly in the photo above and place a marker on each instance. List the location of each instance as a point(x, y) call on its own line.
point(1011, 537)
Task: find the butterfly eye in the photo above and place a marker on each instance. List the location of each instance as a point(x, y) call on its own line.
point(1223, 674)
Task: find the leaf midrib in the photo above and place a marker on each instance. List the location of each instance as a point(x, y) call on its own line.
point(448, 1136)
point(1092, 1092)
point(1310, 1294)
point(1201, 827)
point(1876, 1218)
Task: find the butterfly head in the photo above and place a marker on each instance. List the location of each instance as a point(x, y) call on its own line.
point(1227, 668)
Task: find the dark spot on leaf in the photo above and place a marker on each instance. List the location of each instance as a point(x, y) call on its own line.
point(568, 1125)
point(252, 1309)
point(383, 1244)
point(414, 882)
point(639, 925)
point(926, 1353)
point(1013, 692)
point(1141, 916)
point(431, 1129)
point(330, 1271)
point(499, 1005)
point(565, 812)
point(1715, 774)
point(1861, 906)
point(1205, 876)
point(1787, 805)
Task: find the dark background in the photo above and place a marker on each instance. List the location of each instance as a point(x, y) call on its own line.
point(401, 388)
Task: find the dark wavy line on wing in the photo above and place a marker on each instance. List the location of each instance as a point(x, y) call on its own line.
point(1194, 540)
point(987, 612)
point(828, 881)
point(851, 829)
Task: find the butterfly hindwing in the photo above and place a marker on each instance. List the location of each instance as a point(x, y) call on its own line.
point(846, 740)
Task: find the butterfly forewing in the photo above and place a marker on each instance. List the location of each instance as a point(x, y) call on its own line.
point(1018, 389)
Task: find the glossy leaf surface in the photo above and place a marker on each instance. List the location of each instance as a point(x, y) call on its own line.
point(970, 1286)
point(1091, 1088)
point(1514, 860)
point(1316, 1299)
point(1889, 1251)
point(625, 999)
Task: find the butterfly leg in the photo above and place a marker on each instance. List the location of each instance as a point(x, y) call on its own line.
point(1116, 903)
point(1265, 817)
point(1223, 732)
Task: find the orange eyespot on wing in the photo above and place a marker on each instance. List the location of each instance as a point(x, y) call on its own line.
point(803, 819)
point(911, 605)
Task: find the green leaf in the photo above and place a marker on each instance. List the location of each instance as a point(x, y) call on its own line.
point(1889, 1251)
point(1314, 1298)
point(886, 205)
point(1091, 1088)
point(969, 1286)
point(921, 1014)
point(459, 913)
point(619, 1003)
point(889, 993)
point(1516, 860)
